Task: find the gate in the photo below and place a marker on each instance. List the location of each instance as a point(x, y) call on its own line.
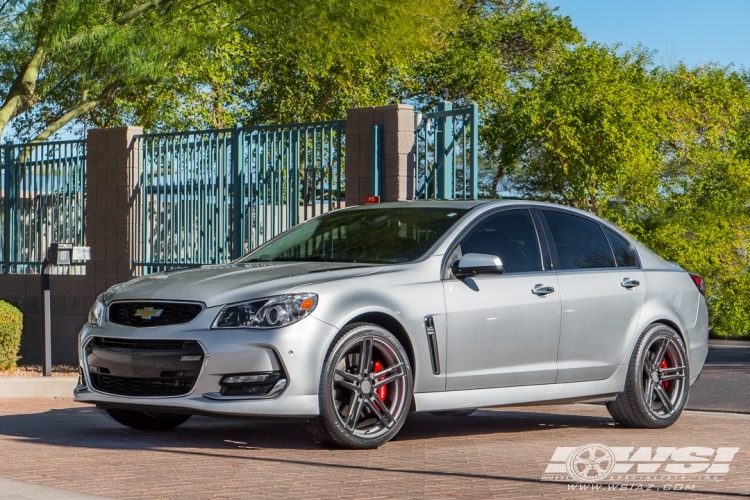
point(209, 197)
point(446, 148)
point(42, 200)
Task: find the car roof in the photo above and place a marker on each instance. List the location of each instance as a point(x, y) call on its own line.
point(649, 259)
point(465, 204)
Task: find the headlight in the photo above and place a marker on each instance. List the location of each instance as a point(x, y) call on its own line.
point(273, 312)
point(96, 313)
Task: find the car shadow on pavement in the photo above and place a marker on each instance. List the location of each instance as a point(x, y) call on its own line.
point(428, 426)
point(92, 428)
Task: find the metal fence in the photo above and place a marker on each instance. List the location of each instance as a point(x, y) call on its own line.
point(208, 197)
point(42, 200)
point(446, 147)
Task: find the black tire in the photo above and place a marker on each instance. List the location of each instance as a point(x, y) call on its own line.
point(657, 383)
point(454, 413)
point(148, 420)
point(352, 413)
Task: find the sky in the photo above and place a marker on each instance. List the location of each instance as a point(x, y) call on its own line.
point(692, 31)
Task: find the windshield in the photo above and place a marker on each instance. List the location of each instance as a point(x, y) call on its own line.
point(379, 235)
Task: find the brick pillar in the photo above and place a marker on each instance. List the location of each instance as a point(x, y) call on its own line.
point(111, 205)
point(397, 122)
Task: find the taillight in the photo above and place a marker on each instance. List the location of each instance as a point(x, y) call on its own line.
point(698, 282)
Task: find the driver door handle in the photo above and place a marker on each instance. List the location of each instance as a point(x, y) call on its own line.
point(542, 290)
point(628, 283)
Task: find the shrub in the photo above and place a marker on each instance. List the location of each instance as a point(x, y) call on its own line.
point(11, 324)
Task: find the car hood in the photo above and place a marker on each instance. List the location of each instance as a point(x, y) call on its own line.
point(226, 283)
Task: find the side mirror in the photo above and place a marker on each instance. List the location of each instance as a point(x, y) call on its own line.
point(473, 264)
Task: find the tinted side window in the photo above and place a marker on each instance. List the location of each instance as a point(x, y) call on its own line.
point(624, 253)
point(511, 236)
point(580, 243)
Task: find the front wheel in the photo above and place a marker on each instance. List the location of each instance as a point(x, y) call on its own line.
point(657, 384)
point(365, 388)
point(147, 420)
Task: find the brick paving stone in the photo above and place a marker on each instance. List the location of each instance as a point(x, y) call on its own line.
point(498, 453)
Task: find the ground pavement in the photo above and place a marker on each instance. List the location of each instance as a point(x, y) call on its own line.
point(61, 447)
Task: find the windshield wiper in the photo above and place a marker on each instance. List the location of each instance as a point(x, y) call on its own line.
point(312, 258)
point(337, 269)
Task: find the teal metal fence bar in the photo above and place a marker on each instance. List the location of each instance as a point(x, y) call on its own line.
point(376, 160)
point(446, 147)
point(211, 196)
point(42, 200)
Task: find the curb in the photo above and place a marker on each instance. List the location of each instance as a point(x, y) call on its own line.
point(21, 490)
point(37, 387)
point(728, 342)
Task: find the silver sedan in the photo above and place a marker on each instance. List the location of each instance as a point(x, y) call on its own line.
point(363, 315)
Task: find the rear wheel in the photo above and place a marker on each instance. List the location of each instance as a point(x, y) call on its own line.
point(365, 388)
point(147, 420)
point(657, 384)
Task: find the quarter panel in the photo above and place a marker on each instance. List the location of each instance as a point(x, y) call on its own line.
point(671, 296)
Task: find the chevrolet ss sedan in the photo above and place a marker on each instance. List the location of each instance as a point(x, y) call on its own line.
point(363, 315)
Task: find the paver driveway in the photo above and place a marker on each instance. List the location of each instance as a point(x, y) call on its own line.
point(492, 454)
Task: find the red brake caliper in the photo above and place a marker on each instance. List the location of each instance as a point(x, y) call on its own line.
point(381, 391)
point(663, 365)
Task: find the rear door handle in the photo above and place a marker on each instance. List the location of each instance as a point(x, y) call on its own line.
point(542, 290)
point(628, 283)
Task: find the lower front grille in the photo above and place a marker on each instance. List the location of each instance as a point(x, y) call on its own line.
point(135, 386)
point(143, 367)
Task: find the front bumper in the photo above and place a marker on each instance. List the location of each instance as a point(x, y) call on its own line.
point(297, 351)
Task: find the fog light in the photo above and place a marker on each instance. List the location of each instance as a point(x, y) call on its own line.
point(244, 379)
point(243, 384)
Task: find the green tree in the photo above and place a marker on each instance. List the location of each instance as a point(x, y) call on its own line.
point(663, 152)
point(495, 45)
point(60, 59)
point(699, 212)
point(294, 61)
point(579, 131)
point(176, 64)
point(301, 60)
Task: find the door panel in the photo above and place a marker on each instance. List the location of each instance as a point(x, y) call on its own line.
point(502, 334)
point(599, 313)
point(598, 320)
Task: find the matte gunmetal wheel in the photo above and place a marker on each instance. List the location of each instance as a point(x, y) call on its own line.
point(365, 389)
point(657, 385)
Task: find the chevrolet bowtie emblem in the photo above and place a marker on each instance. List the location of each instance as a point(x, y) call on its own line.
point(148, 312)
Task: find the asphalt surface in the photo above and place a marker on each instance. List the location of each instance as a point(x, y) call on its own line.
point(724, 384)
